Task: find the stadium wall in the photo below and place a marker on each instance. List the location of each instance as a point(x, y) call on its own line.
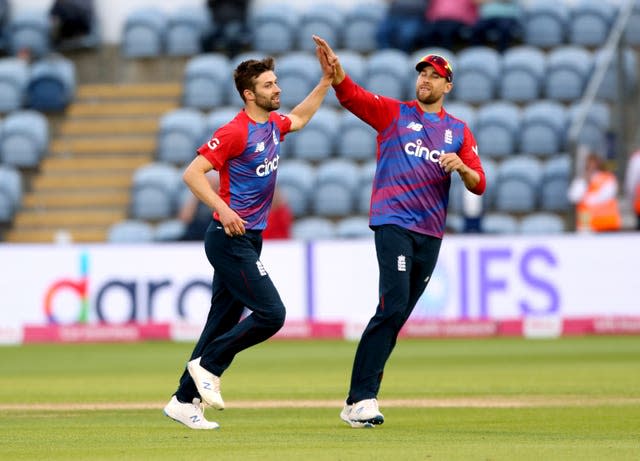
point(482, 286)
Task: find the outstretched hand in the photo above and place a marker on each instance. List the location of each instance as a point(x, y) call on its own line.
point(323, 48)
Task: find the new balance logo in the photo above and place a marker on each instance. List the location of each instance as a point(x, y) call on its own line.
point(402, 263)
point(475, 149)
point(414, 126)
point(194, 418)
point(206, 385)
point(261, 268)
point(260, 146)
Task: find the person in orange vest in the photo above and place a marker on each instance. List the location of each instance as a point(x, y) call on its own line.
point(595, 196)
point(632, 184)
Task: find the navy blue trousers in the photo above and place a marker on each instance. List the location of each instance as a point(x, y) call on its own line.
point(239, 281)
point(406, 260)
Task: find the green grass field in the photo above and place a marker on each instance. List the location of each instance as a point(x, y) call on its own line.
point(488, 399)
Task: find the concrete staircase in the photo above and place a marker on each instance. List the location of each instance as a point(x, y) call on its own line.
point(83, 185)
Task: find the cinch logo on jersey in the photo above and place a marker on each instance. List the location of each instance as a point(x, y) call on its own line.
point(416, 149)
point(267, 167)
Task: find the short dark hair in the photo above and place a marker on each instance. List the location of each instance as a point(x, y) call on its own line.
point(247, 71)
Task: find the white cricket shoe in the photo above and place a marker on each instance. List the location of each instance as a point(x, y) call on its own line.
point(207, 383)
point(364, 413)
point(189, 414)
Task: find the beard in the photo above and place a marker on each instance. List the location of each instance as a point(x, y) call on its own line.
point(266, 103)
point(430, 99)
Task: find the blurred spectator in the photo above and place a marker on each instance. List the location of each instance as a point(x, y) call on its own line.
point(70, 19)
point(196, 215)
point(499, 24)
point(632, 184)
point(449, 23)
point(401, 26)
point(472, 212)
point(595, 196)
point(280, 218)
point(230, 32)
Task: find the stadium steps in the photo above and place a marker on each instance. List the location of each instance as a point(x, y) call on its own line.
point(83, 185)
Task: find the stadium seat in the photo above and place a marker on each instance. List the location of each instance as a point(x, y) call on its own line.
point(144, 33)
point(596, 127)
point(322, 19)
point(154, 192)
point(313, 228)
point(476, 74)
point(454, 223)
point(317, 140)
point(523, 70)
point(632, 30)
point(185, 29)
point(556, 176)
point(361, 25)
point(180, 133)
point(357, 140)
point(387, 72)
point(206, 82)
point(355, 65)
point(353, 227)
point(491, 174)
point(298, 73)
point(218, 117)
point(517, 185)
point(130, 231)
point(10, 192)
point(274, 27)
point(30, 30)
point(463, 111)
point(541, 223)
point(24, 139)
point(590, 22)
point(366, 174)
point(335, 188)
point(546, 23)
point(52, 84)
point(608, 90)
point(497, 129)
point(544, 125)
point(568, 70)
point(14, 75)
point(456, 193)
point(169, 230)
point(296, 179)
point(499, 223)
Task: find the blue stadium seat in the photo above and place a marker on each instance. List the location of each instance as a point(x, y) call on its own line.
point(317, 140)
point(387, 73)
point(497, 129)
point(335, 188)
point(298, 73)
point(205, 84)
point(274, 27)
point(217, 118)
point(144, 33)
point(169, 230)
point(491, 174)
point(363, 189)
point(517, 185)
point(632, 31)
point(596, 125)
point(10, 192)
point(52, 84)
point(14, 75)
point(30, 30)
point(544, 126)
point(476, 74)
point(154, 191)
point(456, 193)
point(463, 111)
point(499, 223)
point(361, 25)
point(185, 29)
point(523, 70)
point(556, 176)
point(590, 22)
point(546, 23)
point(130, 231)
point(295, 180)
point(24, 139)
point(313, 228)
point(357, 140)
point(541, 223)
point(354, 227)
point(568, 70)
point(355, 65)
point(609, 88)
point(322, 19)
point(180, 133)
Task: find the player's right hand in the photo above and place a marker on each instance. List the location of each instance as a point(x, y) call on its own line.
point(232, 223)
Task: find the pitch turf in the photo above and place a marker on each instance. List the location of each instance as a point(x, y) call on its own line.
point(489, 399)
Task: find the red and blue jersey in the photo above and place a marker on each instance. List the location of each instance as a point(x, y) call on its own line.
point(410, 188)
point(246, 155)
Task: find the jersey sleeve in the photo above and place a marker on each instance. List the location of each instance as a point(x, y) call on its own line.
point(227, 142)
point(283, 123)
point(469, 155)
point(375, 110)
